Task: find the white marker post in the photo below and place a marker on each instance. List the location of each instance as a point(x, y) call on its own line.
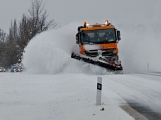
point(99, 91)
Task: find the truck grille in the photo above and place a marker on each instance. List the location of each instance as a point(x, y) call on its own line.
point(95, 53)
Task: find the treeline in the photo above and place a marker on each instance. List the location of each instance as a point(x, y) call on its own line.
point(12, 45)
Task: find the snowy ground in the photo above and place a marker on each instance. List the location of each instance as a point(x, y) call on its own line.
point(54, 86)
point(73, 96)
point(57, 97)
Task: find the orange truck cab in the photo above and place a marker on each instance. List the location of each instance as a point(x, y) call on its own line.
point(98, 40)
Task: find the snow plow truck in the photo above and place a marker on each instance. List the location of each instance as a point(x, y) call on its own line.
point(98, 45)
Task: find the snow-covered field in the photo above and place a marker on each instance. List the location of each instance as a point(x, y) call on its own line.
point(73, 96)
point(56, 87)
point(57, 97)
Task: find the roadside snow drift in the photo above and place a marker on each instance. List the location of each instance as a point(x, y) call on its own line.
point(50, 51)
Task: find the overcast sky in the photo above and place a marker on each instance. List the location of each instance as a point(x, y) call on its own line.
point(67, 11)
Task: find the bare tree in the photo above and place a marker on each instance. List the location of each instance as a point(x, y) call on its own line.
point(2, 36)
point(33, 23)
point(2, 47)
point(38, 18)
point(12, 47)
point(19, 36)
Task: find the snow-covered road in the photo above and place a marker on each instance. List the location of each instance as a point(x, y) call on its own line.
point(73, 96)
point(141, 91)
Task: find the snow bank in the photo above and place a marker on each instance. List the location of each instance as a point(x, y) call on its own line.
point(49, 52)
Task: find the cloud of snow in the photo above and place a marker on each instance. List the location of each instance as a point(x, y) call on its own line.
point(140, 47)
point(50, 51)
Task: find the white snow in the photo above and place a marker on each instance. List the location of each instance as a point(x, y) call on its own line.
point(73, 96)
point(140, 46)
point(56, 97)
point(54, 86)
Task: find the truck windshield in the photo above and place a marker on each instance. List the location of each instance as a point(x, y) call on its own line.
point(98, 36)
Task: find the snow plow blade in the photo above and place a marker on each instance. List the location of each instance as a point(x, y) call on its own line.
point(117, 69)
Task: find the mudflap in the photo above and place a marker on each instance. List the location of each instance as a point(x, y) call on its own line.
point(110, 67)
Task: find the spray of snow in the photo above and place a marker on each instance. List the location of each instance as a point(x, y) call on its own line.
point(49, 52)
point(140, 47)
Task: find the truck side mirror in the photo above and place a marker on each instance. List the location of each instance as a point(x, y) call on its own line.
point(77, 38)
point(118, 35)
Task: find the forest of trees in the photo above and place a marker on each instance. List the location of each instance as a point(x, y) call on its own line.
point(20, 33)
